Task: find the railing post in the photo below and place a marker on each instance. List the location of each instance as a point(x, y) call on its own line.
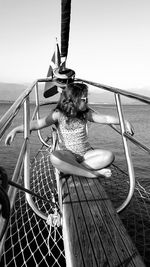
point(27, 158)
point(26, 136)
point(37, 114)
point(127, 153)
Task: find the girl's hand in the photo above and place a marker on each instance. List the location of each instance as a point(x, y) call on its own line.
point(10, 137)
point(129, 128)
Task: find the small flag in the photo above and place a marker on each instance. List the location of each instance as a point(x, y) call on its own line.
point(50, 72)
point(56, 59)
point(55, 63)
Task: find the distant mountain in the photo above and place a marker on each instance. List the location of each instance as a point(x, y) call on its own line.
point(11, 91)
point(109, 98)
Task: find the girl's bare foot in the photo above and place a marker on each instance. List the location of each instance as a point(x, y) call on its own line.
point(105, 172)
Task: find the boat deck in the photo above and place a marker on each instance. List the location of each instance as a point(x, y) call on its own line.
point(93, 232)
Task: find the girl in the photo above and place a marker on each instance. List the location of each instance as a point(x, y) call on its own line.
point(75, 154)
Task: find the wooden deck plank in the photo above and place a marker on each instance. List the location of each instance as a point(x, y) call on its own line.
point(122, 242)
point(72, 252)
point(96, 226)
point(94, 232)
point(95, 246)
point(118, 225)
point(105, 227)
point(78, 237)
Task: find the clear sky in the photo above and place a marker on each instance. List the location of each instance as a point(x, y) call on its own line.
point(109, 40)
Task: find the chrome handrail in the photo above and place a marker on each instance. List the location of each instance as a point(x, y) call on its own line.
point(27, 159)
point(127, 154)
point(13, 110)
point(38, 115)
point(142, 98)
point(24, 99)
point(125, 136)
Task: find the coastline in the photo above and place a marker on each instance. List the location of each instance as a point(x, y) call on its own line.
point(90, 103)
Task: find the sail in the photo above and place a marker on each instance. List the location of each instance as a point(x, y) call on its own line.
point(65, 26)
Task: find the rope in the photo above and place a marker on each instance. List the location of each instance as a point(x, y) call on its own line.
point(28, 235)
point(53, 220)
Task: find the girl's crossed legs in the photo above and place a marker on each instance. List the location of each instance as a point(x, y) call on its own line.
point(93, 165)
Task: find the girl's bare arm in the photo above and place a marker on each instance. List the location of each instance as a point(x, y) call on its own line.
point(107, 119)
point(34, 125)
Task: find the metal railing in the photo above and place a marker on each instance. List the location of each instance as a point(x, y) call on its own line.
point(125, 136)
point(24, 156)
point(24, 100)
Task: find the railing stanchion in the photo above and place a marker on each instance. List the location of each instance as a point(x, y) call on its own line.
point(27, 158)
point(127, 154)
point(38, 115)
point(26, 136)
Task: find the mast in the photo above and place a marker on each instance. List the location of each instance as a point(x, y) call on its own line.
point(65, 26)
point(59, 58)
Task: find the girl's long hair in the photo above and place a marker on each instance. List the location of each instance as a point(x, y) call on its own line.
point(69, 100)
